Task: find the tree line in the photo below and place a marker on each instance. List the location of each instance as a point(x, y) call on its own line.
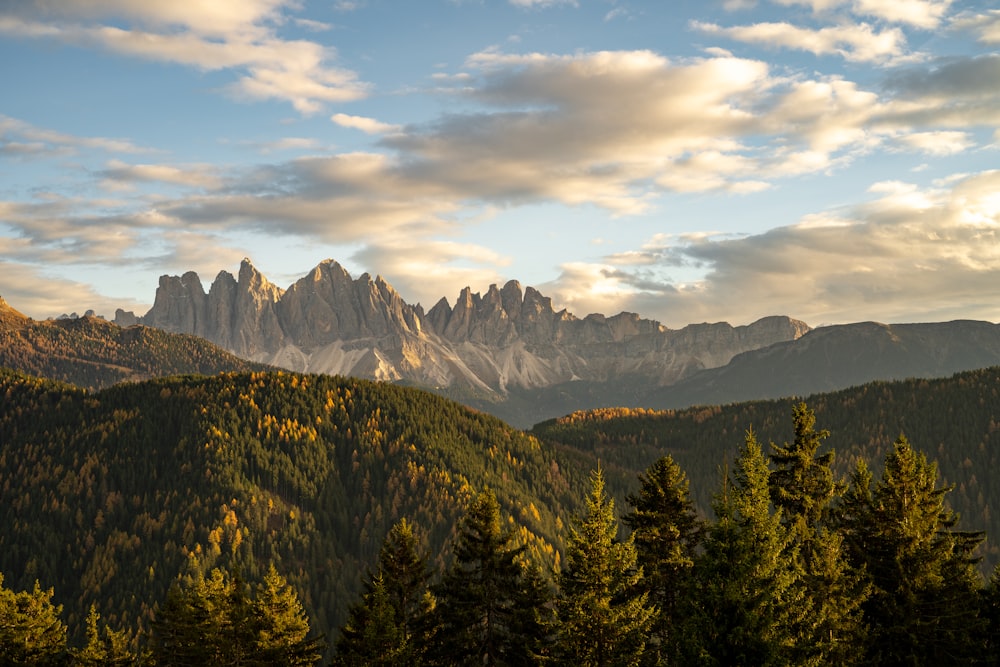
point(793, 567)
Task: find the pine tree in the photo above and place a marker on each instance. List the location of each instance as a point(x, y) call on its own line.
point(666, 531)
point(989, 612)
point(487, 605)
point(802, 487)
point(281, 628)
point(753, 604)
point(109, 648)
point(214, 620)
point(31, 632)
point(388, 624)
point(604, 614)
point(923, 572)
point(802, 484)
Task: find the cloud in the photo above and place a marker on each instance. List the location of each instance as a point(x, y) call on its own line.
point(426, 271)
point(855, 43)
point(41, 295)
point(926, 14)
point(21, 139)
point(226, 35)
point(118, 174)
point(542, 4)
point(985, 26)
point(288, 144)
point(909, 254)
point(939, 143)
point(366, 125)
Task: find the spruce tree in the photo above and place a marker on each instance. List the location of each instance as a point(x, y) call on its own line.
point(109, 648)
point(487, 612)
point(925, 581)
point(666, 531)
point(390, 622)
point(753, 604)
point(280, 625)
point(215, 620)
point(31, 630)
point(802, 487)
point(604, 615)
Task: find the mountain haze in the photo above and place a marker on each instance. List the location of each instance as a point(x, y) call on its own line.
point(834, 357)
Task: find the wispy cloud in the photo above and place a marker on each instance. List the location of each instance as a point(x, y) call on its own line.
point(22, 139)
point(856, 43)
point(237, 36)
point(926, 14)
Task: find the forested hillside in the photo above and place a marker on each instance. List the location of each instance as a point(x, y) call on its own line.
point(104, 495)
point(90, 352)
point(955, 421)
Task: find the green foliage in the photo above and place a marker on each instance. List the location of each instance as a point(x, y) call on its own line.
point(105, 495)
point(90, 352)
point(105, 647)
point(603, 612)
point(802, 487)
point(488, 601)
point(954, 420)
point(753, 604)
point(31, 631)
point(667, 532)
point(923, 572)
point(215, 620)
point(388, 625)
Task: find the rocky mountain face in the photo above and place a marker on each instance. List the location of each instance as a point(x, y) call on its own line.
point(509, 339)
point(835, 357)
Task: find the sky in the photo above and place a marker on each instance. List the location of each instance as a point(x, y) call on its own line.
point(691, 161)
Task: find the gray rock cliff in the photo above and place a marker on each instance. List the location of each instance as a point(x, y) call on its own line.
point(511, 337)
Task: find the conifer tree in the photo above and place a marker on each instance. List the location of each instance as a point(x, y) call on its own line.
point(487, 603)
point(388, 624)
point(923, 571)
point(802, 487)
point(109, 648)
point(989, 612)
point(604, 615)
point(666, 531)
point(753, 604)
point(31, 631)
point(214, 620)
point(280, 625)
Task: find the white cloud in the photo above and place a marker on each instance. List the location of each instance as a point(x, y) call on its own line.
point(910, 254)
point(119, 174)
point(226, 35)
point(366, 125)
point(986, 26)
point(426, 271)
point(40, 295)
point(942, 142)
point(926, 14)
point(855, 43)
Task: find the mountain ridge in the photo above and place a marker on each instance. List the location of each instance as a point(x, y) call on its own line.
point(509, 338)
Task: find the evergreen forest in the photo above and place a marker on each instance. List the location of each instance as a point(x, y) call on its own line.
point(269, 517)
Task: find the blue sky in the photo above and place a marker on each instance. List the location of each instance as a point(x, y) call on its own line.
point(831, 160)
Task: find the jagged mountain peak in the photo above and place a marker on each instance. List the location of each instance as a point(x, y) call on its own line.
point(509, 336)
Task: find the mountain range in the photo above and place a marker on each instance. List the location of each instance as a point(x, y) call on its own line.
point(509, 352)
